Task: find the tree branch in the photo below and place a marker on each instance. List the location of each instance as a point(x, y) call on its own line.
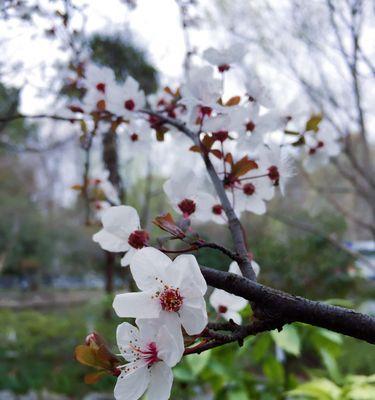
point(284, 308)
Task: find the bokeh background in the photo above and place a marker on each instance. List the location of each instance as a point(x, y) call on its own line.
point(56, 285)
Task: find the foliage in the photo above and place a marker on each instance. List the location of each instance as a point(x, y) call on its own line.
point(124, 59)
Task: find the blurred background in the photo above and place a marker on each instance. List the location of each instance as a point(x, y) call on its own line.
point(56, 285)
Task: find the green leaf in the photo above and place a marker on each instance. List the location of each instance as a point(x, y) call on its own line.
point(197, 362)
point(330, 363)
point(238, 395)
point(261, 346)
point(288, 339)
point(313, 123)
point(274, 371)
point(183, 374)
point(318, 389)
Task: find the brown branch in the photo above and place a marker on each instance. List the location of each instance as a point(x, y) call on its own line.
point(284, 308)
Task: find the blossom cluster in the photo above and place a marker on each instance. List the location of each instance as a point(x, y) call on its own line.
point(239, 136)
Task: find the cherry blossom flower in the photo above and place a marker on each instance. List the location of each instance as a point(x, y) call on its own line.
point(224, 58)
point(252, 192)
point(257, 92)
point(129, 99)
point(121, 232)
point(252, 126)
point(100, 83)
point(150, 351)
point(187, 196)
point(171, 291)
point(200, 93)
point(226, 304)
point(137, 136)
point(320, 147)
point(275, 161)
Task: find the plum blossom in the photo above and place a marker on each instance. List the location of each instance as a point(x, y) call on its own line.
point(187, 196)
point(224, 58)
point(200, 93)
point(228, 305)
point(275, 161)
point(100, 84)
point(129, 98)
point(171, 291)
point(253, 192)
point(257, 92)
point(320, 147)
point(150, 351)
point(121, 232)
point(252, 126)
point(137, 136)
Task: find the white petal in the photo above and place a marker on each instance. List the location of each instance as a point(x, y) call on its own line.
point(125, 334)
point(193, 315)
point(127, 259)
point(121, 221)
point(160, 383)
point(185, 271)
point(234, 268)
point(172, 321)
point(136, 305)
point(147, 266)
point(168, 348)
point(222, 298)
point(235, 316)
point(131, 386)
point(110, 242)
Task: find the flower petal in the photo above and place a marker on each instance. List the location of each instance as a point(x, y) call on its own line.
point(148, 266)
point(160, 383)
point(127, 334)
point(126, 260)
point(110, 242)
point(193, 315)
point(121, 221)
point(132, 385)
point(184, 272)
point(136, 305)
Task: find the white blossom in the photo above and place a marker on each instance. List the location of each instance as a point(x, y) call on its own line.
point(121, 232)
point(224, 58)
point(171, 291)
point(150, 351)
point(226, 304)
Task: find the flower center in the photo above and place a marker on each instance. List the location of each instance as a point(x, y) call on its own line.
point(250, 126)
point(171, 300)
point(222, 309)
point(129, 105)
point(248, 189)
point(205, 111)
point(187, 207)
point(101, 87)
point(134, 137)
point(138, 239)
point(217, 209)
point(221, 136)
point(273, 173)
point(223, 67)
point(149, 353)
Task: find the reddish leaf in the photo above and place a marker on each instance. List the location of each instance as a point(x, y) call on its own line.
point(208, 141)
point(243, 166)
point(195, 148)
point(233, 101)
point(228, 158)
point(217, 153)
point(76, 187)
point(94, 377)
point(168, 224)
point(86, 356)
